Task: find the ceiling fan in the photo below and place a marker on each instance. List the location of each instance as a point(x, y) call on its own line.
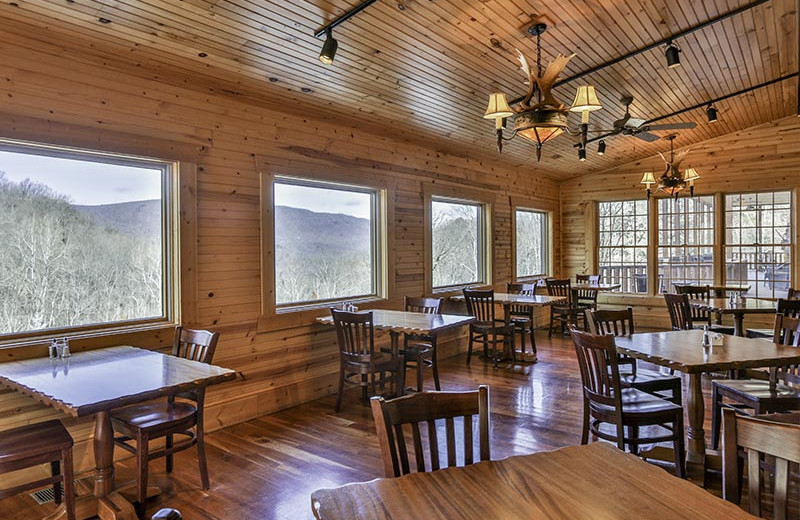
point(636, 127)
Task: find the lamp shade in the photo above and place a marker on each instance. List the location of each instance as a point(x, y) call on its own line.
point(585, 100)
point(498, 107)
point(329, 48)
point(648, 178)
point(690, 175)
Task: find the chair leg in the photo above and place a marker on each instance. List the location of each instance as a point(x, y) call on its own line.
point(201, 452)
point(585, 433)
point(435, 367)
point(169, 455)
point(633, 433)
point(341, 389)
point(494, 349)
point(550, 329)
point(469, 348)
point(142, 448)
point(679, 446)
point(69, 484)
point(420, 366)
point(716, 416)
point(55, 470)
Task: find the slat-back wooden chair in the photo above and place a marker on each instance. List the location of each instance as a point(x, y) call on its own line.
point(702, 317)
point(144, 422)
point(360, 364)
point(565, 313)
point(588, 278)
point(607, 402)
point(487, 328)
point(758, 437)
point(756, 394)
point(680, 312)
point(521, 316)
point(419, 350)
point(398, 424)
point(786, 307)
point(620, 323)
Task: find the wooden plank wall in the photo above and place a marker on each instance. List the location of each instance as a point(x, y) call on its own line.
point(295, 361)
point(762, 158)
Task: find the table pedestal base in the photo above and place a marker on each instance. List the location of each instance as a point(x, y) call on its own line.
point(111, 507)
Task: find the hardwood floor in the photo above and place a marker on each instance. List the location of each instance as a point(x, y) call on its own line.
point(267, 468)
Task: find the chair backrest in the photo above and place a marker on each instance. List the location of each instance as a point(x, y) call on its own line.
point(788, 307)
point(197, 345)
point(584, 295)
point(787, 332)
point(480, 303)
point(588, 278)
point(398, 424)
point(696, 292)
point(599, 367)
point(423, 305)
point(558, 287)
point(355, 334)
point(527, 289)
point(793, 294)
point(613, 322)
point(758, 437)
point(680, 312)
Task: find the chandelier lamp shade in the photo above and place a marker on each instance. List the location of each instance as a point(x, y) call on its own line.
point(673, 180)
point(538, 117)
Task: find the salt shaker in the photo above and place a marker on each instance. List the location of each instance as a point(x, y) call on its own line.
point(53, 349)
point(706, 339)
point(65, 348)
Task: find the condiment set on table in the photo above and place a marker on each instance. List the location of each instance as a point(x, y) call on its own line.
point(59, 348)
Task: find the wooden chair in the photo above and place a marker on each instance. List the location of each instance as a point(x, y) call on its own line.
point(701, 317)
point(398, 424)
point(180, 414)
point(35, 444)
point(359, 362)
point(567, 313)
point(785, 307)
point(419, 350)
point(620, 323)
point(606, 402)
point(756, 394)
point(487, 327)
point(758, 437)
point(680, 312)
point(521, 316)
point(584, 298)
point(588, 278)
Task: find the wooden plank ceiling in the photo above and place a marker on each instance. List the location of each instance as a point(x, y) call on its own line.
point(423, 69)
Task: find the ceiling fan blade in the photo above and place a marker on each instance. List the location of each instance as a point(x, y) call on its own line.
point(671, 126)
point(645, 136)
point(634, 122)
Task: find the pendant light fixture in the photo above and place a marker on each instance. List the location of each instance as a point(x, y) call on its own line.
point(672, 181)
point(673, 55)
point(328, 48)
point(538, 116)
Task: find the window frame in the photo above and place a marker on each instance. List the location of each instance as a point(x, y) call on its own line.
point(377, 234)
point(178, 179)
point(549, 246)
point(458, 195)
point(648, 247)
point(668, 285)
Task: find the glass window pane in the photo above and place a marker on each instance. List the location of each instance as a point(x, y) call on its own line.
point(456, 243)
point(682, 224)
point(83, 240)
point(532, 243)
point(623, 244)
point(324, 242)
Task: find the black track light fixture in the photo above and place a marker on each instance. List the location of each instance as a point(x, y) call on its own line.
point(601, 147)
point(711, 113)
point(673, 54)
point(328, 48)
point(582, 153)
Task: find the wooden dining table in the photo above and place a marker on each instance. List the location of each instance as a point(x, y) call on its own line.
point(95, 382)
point(721, 291)
point(571, 483)
point(738, 310)
point(681, 350)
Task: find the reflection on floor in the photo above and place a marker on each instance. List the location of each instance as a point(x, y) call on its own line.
point(267, 468)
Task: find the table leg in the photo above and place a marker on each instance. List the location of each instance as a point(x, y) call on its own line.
point(738, 324)
point(395, 336)
point(696, 445)
point(103, 454)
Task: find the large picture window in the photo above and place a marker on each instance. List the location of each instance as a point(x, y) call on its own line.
point(458, 243)
point(623, 240)
point(326, 241)
point(758, 242)
point(532, 243)
point(84, 239)
point(685, 242)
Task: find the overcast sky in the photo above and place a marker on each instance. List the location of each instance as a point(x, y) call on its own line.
point(322, 200)
point(85, 183)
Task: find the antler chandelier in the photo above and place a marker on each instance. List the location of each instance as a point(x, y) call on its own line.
point(672, 181)
point(545, 118)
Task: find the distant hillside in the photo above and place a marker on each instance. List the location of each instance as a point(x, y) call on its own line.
point(141, 218)
point(308, 233)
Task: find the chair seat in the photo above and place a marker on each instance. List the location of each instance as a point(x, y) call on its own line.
point(759, 333)
point(32, 440)
point(635, 402)
point(155, 414)
point(756, 389)
point(644, 376)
